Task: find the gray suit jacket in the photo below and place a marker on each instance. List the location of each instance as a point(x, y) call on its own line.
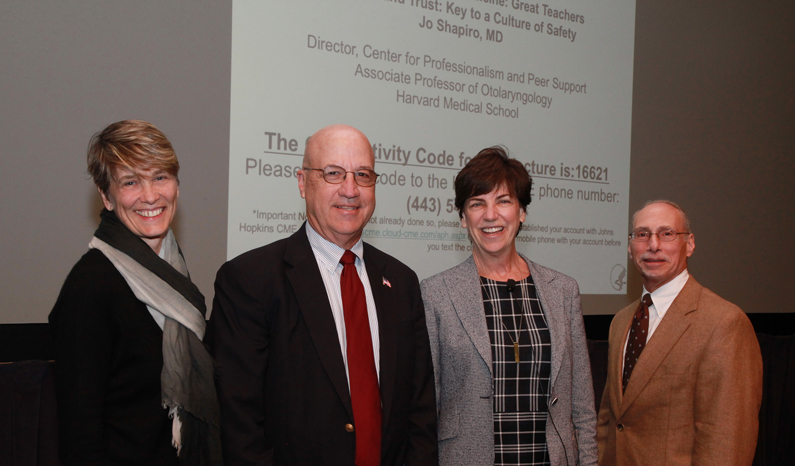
point(461, 352)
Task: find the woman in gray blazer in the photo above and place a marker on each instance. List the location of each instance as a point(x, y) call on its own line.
point(513, 379)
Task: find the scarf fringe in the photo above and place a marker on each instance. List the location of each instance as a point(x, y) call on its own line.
point(176, 427)
point(200, 442)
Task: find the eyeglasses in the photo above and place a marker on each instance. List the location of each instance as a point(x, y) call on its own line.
point(336, 175)
point(667, 235)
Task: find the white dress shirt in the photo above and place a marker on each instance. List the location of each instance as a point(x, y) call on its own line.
point(661, 299)
point(328, 257)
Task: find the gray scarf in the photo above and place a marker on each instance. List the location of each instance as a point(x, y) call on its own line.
point(187, 379)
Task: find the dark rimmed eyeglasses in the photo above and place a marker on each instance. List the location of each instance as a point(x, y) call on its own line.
point(666, 236)
point(335, 175)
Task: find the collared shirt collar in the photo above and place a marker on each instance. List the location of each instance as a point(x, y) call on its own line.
point(329, 254)
point(663, 296)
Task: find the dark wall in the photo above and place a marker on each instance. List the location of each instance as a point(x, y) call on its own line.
point(713, 128)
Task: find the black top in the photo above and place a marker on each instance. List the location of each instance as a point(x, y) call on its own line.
point(513, 314)
point(517, 316)
point(108, 362)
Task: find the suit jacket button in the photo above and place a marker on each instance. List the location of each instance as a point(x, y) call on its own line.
point(349, 427)
point(620, 427)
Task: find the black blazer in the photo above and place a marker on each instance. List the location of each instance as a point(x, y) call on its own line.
point(282, 385)
point(108, 359)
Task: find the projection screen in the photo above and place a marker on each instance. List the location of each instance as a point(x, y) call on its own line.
point(431, 83)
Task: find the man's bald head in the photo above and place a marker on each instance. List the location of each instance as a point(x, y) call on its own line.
point(338, 211)
point(327, 137)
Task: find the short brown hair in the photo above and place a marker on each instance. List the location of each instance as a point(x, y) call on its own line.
point(488, 170)
point(135, 144)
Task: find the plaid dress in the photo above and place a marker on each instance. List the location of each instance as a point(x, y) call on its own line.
point(520, 390)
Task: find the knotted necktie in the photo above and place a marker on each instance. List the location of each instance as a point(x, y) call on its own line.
point(363, 379)
point(637, 338)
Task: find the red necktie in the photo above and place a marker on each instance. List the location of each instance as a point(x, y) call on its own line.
point(365, 394)
point(637, 338)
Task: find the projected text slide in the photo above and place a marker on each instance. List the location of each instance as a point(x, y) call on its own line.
point(431, 83)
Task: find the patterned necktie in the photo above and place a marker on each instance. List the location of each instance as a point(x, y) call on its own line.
point(637, 338)
point(365, 393)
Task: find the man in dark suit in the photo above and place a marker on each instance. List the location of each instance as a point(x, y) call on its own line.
point(684, 374)
point(319, 366)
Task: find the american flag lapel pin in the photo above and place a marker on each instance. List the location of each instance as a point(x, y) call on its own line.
point(385, 282)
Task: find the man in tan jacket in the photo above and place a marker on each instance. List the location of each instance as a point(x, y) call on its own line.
point(684, 381)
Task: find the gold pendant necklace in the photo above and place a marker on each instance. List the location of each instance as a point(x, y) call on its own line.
point(515, 341)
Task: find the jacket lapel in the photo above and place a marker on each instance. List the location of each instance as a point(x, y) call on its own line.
point(553, 313)
point(671, 328)
point(388, 321)
point(304, 277)
point(621, 323)
point(467, 300)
